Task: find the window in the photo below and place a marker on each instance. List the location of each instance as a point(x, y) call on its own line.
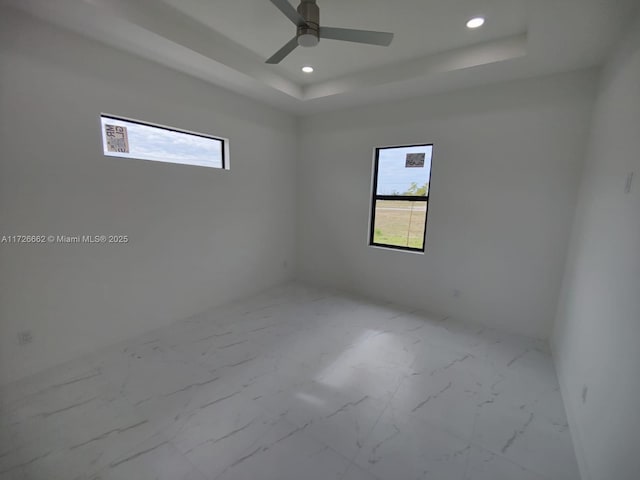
point(134, 139)
point(400, 197)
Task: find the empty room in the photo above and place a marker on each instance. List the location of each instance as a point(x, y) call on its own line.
point(319, 240)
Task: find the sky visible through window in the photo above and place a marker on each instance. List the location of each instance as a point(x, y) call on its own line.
point(394, 177)
point(155, 143)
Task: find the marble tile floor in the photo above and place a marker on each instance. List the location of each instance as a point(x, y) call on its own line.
point(295, 383)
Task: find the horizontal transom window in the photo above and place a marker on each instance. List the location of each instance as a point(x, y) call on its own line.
point(122, 137)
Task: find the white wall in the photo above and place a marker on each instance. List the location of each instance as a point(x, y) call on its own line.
point(506, 167)
point(198, 236)
point(597, 332)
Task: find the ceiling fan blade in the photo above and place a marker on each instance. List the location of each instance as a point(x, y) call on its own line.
point(292, 14)
point(358, 36)
point(289, 47)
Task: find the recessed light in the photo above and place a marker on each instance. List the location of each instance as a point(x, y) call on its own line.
point(475, 22)
point(307, 69)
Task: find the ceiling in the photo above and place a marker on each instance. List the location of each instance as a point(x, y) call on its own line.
point(226, 42)
point(421, 27)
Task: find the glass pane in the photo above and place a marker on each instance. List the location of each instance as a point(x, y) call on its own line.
point(404, 170)
point(400, 223)
point(133, 140)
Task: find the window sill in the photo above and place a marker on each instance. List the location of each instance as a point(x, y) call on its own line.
point(379, 247)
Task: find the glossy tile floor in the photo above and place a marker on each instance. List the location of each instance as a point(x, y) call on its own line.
point(296, 383)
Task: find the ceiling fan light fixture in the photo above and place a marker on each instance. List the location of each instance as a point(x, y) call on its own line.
point(475, 22)
point(308, 40)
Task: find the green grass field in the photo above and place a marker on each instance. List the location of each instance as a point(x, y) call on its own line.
point(400, 223)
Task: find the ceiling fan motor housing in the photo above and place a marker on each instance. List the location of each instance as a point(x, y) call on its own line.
point(309, 34)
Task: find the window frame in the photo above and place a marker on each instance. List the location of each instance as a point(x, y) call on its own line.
point(411, 198)
point(224, 142)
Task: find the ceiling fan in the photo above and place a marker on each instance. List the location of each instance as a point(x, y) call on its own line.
point(307, 19)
